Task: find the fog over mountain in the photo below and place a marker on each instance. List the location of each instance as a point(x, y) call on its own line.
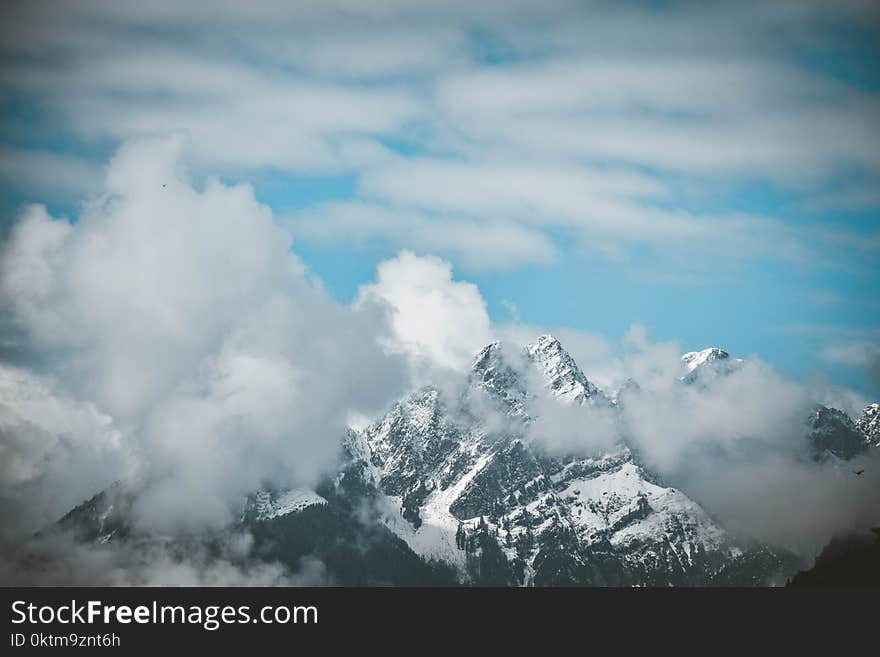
point(178, 321)
point(168, 338)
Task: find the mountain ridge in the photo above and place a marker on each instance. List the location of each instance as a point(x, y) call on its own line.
point(460, 487)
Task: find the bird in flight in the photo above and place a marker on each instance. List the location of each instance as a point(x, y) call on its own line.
point(858, 472)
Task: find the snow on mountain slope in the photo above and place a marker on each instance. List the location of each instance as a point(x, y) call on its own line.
point(435, 535)
point(496, 373)
point(624, 504)
point(703, 366)
point(462, 479)
point(693, 359)
point(869, 424)
point(269, 505)
point(458, 482)
point(561, 374)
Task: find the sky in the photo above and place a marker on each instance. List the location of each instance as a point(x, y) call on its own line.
point(708, 170)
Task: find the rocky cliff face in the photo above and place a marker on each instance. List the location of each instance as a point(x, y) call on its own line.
point(869, 424)
point(834, 435)
point(479, 495)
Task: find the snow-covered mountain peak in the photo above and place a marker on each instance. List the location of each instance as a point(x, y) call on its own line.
point(266, 505)
point(464, 480)
point(693, 359)
point(705, 365)
point(495, 372)
point(560, 371)
point(487, 354)
point(547, 342)
point(411, 422)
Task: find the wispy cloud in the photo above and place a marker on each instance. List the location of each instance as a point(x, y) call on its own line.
point(858, 353)
point(522, 119)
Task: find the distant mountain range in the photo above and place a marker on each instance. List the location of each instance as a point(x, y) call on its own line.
point(444, 491)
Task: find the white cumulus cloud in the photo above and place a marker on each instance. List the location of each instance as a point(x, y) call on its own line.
point(180, 312)
point(436, 319)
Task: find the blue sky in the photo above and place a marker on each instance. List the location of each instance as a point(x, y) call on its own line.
point(708, 170)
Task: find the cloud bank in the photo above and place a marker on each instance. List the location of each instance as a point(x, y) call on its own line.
point(597, 128)
point(737, 443)
point(182, 314)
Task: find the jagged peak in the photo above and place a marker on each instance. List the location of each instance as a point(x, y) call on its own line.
point(870, 412)
point(833, 432)
point(868, 423)
point(486, 354)
point(561, 372)
point(494, 372)
point(547, 348)
point(704, 366)
point(821, 412)
point(426, 397)
point(693, 359)
point(548, 340)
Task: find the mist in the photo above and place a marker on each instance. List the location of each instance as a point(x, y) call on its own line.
point(59, 559)
point(735, 441)
point(190, 347)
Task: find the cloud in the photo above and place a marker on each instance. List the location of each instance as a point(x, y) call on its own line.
point(782, 501)
point(737, 443)
point(236, 116)
point(183, 314)
point(530, 125)
point(570, 430)
point(54, 452)
point(479, 244)
point(738, 446)
point(191, 350)
point(382, 52)
point(47, 175)
point(751, 405)
point(639, 113)
point(595, 353)
point(60, 560)
point(526, 192)
point(166, 329)
point(437, 320)
point(858, 354)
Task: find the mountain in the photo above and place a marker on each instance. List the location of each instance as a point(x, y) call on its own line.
point(831, 432)
point(561, 374)
point(460, 487)
point(834, 434)
point(479, 495)
point(869, 424)
point(704, 366)
point(334, 526)
point(852, 561)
